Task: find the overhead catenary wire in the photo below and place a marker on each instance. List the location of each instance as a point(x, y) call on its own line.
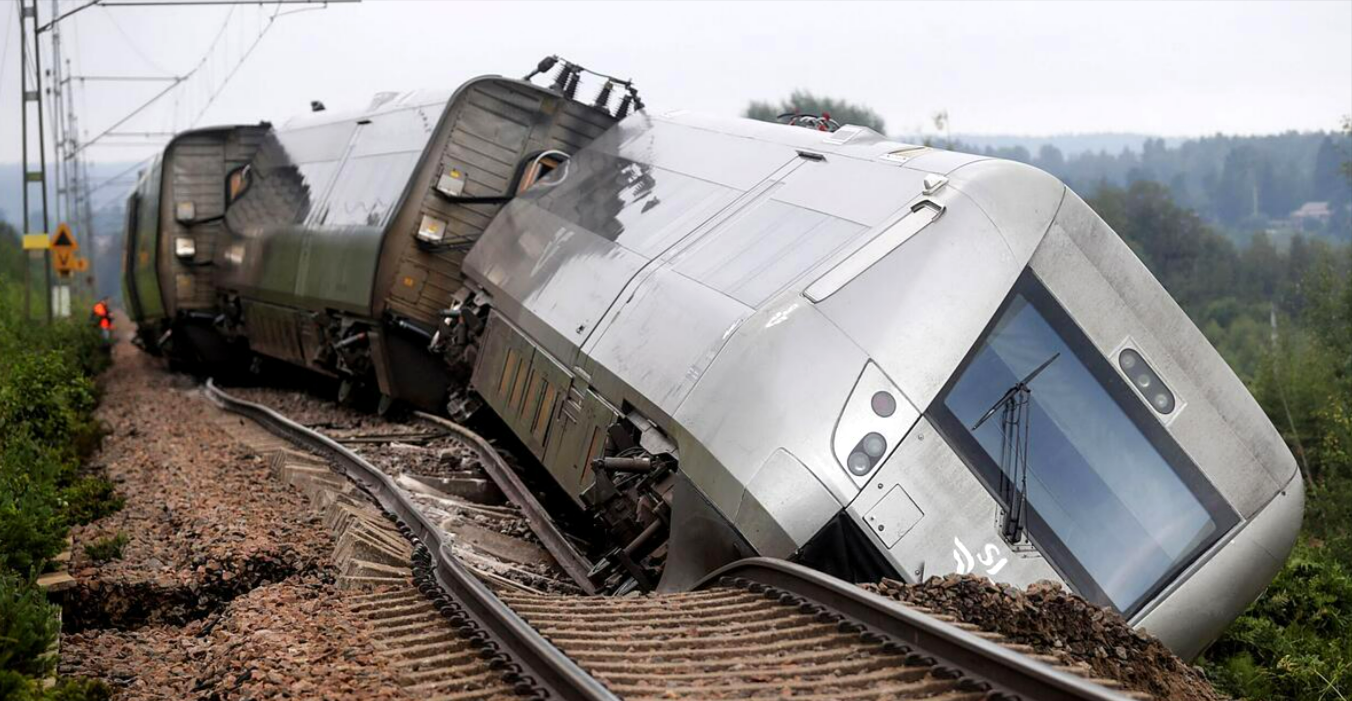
point(136, 49)
point(211, 99)
point(4, 47)
point(201, 64)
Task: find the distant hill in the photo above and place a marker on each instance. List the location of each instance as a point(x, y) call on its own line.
point(11, 202)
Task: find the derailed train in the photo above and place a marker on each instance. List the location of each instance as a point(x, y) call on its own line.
point(723, 338)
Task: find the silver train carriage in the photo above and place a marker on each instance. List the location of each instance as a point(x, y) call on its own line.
point(878, 359)
point(724, 338)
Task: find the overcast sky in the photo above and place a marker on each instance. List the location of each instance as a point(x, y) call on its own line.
point(1174, 69)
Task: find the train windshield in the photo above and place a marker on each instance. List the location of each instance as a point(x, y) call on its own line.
point(1112, 500)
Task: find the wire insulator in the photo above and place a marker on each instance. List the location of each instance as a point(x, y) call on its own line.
point(603, 98)
point(625, 104)
point(561, 80)
point(571, 88)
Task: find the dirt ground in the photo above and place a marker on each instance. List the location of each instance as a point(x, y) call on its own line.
point(225, 588)
point(1055, 621)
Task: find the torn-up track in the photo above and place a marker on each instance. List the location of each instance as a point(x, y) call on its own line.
point(756, 629)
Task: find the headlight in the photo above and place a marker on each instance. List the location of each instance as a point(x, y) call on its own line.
point(184, 247)
point(1146, 381)
point(431, 230)
point(185, 211)
point(874, 420)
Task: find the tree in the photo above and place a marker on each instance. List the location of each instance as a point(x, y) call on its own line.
point(1050, 159)
point(805, 102)
point(1329, 184)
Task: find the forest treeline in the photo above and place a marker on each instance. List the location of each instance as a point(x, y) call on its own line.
point(1242, 183)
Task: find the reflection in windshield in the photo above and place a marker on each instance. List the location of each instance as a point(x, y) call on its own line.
point(1095, 479)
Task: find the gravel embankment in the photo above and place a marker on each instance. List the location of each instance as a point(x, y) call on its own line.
point(225, 588)
point(1057, 622)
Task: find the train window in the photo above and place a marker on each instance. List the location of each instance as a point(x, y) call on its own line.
point(539, 167)
point(1112, 500)
point(237, 183)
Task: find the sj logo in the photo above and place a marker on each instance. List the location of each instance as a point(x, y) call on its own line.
point(990, 558)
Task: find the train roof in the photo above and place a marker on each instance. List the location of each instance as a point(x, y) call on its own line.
point(380, 103)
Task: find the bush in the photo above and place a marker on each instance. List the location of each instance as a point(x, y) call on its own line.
point(79, 690)
point(17, 687)
point(32, 528)
point(1295, 642)
point(47, 398)
point(43, 396)
point(28, 626)
point(106, 548)
point(89, 499)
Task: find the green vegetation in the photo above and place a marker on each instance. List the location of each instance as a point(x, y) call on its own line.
point(89, 499)
point(17, 687)
point(805, 102)
point(28, 626)
point(107, 548)
point(47, 399)
point(1296, 641)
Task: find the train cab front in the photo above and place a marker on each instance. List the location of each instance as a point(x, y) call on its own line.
point(1071, 423)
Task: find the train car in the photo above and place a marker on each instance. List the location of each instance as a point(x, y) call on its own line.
point(174, 225)
point(347, 231)
point(878, 359)
point(725, 338)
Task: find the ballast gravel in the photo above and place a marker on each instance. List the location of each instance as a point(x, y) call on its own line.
point(225, 587)
point(1057, 622)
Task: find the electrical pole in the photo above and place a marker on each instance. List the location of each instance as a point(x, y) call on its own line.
point(28, 12)
point(80, 185)
point(71, 175)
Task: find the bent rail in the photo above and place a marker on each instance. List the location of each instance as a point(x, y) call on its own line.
point(531, 664)
point(1001, 672)
point(570, 560)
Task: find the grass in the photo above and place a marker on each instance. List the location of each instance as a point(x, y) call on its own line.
point(107, 548)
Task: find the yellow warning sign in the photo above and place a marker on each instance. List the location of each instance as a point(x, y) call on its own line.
point(36, 242)
point(81, 265)
point(63, 250)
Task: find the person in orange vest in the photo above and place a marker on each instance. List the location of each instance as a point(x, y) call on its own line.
point(105, 318)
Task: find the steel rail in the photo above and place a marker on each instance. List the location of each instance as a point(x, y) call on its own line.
point(1005, 673)
point(570, 560)
point(532, 664)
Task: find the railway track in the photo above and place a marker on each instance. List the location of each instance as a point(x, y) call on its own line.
point(755, 629)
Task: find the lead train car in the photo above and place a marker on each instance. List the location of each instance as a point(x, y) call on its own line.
point(813, 324)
